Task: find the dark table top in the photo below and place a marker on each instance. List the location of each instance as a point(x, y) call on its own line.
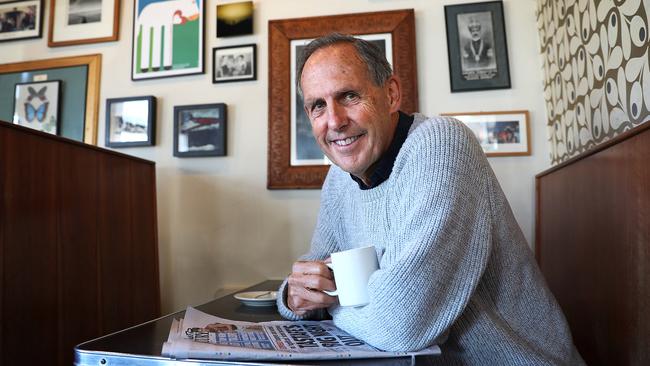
point(142, 344)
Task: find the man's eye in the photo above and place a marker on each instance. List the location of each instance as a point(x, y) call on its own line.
point(317, 106)
point(351, 96)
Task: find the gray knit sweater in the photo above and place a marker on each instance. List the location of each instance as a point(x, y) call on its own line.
point(455, 268)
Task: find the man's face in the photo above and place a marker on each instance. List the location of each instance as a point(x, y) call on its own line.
point(352, 119)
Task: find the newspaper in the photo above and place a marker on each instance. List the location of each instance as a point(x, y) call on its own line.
point(200, 335)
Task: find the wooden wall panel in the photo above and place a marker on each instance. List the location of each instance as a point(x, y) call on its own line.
point(30, 248)
point(115, 245)
point(593, 246)
point(78, 254)
point(145, 232)
point(79, 317)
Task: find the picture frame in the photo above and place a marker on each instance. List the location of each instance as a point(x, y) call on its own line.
point(182, 23)
point(79, 99)
point(286, 35)
point(74, 22)
point(477, 47)
point(234, 19)
point(200, 130)
point(504, 133)
point(130, 121)
point(36, 105)
point(21, 19)
point(234, 63)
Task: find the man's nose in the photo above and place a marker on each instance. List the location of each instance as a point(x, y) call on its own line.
point(337, 117)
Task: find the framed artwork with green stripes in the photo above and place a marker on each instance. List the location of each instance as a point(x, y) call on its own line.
point(168, 38)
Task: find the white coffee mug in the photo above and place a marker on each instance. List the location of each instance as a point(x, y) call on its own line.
point(352, 269)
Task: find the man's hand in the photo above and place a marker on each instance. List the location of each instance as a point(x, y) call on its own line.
point(306, 283)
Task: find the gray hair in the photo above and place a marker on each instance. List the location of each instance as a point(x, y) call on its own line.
point(379, 69)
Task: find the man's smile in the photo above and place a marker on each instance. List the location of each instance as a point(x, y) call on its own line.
point(346, 140)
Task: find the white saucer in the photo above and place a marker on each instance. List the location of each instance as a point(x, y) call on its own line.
point(257, 298)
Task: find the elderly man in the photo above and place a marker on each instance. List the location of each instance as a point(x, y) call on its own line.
point(455, 268)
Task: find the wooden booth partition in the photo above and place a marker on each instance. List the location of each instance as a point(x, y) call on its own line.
point(78, 245)
point(593, 246)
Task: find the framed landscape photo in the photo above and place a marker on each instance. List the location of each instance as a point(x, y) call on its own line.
point(295, 159)
point(200, 130)
point(235, 19)
point(234, 63)
point(499, 133)
point(167, 38)
point(21, 19)
point(36, 105)
point(75, 22)
point(476, 45)
point(131, 121)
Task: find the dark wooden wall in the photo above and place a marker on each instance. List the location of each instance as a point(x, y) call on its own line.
point(593, 245)
point(78, 245)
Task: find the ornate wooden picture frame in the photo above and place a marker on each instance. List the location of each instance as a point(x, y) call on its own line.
point(399, 24)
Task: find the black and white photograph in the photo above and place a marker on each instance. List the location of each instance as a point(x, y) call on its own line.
point(476, 43)
point(84, 11)
point(200, 130)
point(130, 121)
point(20, 20)
point(36, 105)
point(304, 148)
point(234, 63)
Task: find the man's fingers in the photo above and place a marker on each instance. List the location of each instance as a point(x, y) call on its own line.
point(309, 281)
point(312, 268)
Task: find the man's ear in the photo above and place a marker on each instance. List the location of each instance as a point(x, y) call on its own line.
point(394, 90)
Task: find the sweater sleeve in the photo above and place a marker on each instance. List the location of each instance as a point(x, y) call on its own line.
point(322, 244)
point(439, 242)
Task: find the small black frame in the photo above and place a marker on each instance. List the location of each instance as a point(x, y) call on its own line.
point(148, 136)
point(243, 70)
point(200, 130)
point(476, 45)
point(16, 7)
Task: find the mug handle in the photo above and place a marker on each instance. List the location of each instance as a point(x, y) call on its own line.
point(335, 292)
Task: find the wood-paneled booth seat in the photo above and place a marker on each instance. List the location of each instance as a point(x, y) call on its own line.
point(78, 245)
point(593, 246)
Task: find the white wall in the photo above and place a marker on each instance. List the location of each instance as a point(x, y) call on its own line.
point(218, 224)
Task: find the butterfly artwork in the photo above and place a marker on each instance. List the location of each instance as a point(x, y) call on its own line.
point(37, 105)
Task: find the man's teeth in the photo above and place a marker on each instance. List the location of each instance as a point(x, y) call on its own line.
point(347, 141)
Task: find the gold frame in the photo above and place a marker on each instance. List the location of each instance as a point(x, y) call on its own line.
point(526, 122)
point(399, 23)
point(112, 37)
point(94, 63)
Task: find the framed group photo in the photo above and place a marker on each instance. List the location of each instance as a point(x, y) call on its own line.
point(234, 63)
point(21, 19)
point(131, 121)
point(505, 133)
point(200, 130)
point(295, 159)
point(36, 105)
point(168, 38)
point(476, 44)
point(75, 22)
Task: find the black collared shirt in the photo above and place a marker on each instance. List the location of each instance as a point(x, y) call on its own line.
point(384, 165)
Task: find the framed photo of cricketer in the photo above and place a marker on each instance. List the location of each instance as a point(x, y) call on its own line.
point(295, 160)
point(476, 45)
point(168, 38)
